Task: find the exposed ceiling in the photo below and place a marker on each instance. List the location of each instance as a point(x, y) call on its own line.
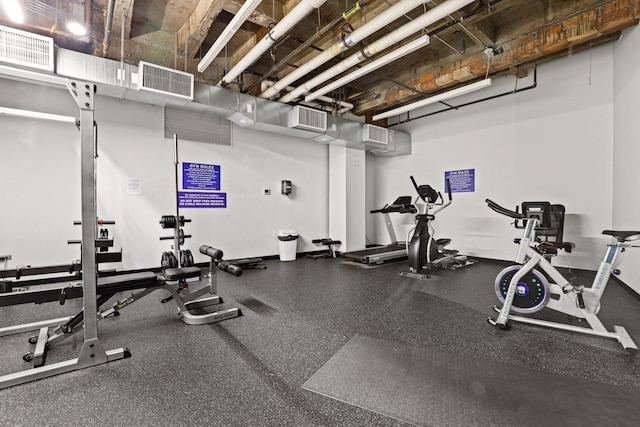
point(507, 36)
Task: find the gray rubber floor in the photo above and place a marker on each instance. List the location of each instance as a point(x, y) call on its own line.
point(421, 386)
point(299, 316)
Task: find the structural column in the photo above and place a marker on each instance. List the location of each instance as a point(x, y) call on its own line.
point(347, 207)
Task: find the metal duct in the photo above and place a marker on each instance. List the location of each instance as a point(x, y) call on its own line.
point(114, 80)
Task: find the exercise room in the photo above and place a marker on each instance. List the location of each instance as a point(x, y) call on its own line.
point(319, 213)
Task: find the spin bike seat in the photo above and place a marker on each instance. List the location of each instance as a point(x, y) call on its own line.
point(623, 236)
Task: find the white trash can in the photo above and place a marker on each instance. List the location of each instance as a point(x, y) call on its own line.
point(287, 244)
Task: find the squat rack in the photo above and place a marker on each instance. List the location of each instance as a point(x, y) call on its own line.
point(91, 353)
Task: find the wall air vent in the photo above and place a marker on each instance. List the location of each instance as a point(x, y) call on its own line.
point(375, 134)
point(26, 49)
point(308, 119)
point(155, 78)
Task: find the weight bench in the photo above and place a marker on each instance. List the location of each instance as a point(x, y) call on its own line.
point(176, 281)
point(329, 243)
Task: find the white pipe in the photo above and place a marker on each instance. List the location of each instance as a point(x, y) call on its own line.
point(292, 18)
point(374, 65)
point(245, 11)
point(341, 106)
point(107, 28)
point(386, 17)
point(333, 110)
point(426, 19)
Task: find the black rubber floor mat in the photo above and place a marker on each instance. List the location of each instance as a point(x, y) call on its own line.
point(431, 388)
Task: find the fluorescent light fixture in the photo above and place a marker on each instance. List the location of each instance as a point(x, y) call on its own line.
point(14, 11)
point(76, 28)
point(374, 65)
point(240, 119)
point(75, 18)
point(245, 11)
point(4, 111)
point(436, 98)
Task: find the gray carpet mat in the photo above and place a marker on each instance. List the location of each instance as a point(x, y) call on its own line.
point(425, 387)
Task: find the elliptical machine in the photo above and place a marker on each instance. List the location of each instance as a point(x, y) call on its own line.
point(426, 253)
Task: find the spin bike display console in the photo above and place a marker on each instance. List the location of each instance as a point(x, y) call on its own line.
point(394, 250)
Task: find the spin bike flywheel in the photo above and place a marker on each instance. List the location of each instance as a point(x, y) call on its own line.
point(532, 292)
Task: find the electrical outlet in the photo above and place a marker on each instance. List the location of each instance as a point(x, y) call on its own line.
point(267, 191)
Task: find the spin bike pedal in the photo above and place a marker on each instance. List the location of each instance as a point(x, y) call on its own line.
point(578, 290)
point(580, 300)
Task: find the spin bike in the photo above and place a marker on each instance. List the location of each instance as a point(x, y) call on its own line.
point(523, 289)
point(424, 251)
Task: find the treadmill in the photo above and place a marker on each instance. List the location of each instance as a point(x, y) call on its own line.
point(394, 250)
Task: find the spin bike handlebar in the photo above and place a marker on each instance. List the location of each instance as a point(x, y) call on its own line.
point(504, 211)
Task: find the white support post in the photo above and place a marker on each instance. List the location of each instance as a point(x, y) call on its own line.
point(347, 190)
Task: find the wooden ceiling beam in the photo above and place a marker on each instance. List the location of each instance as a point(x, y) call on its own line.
point(552, 40)
point(241, 51)
point(262, 15)
point(483, 31)
point(196, 28)
point(289, 5)
point(122, 8)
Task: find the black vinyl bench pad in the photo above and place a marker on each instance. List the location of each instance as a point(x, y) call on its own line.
point(108, 285)
point(127, 282)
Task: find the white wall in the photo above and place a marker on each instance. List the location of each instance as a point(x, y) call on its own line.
point(626, 173)
point(571, 140)
point(39, 177)
point(554, 142)
point(41, 183)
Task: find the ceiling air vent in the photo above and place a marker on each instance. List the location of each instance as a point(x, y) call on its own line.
point(375, 134)
point(155, 78)
point(26, 49)
point(308, 118)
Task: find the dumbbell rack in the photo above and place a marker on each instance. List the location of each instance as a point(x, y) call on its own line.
point(179, 257)
point(103, 242)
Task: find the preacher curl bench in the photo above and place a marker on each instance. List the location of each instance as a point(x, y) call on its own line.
point(176, 281)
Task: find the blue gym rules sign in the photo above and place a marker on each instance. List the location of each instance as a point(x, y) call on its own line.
point(205, 180)
point(462, 181)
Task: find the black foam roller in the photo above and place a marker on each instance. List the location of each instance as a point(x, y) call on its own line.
point(229, 268)
point(211, 251)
